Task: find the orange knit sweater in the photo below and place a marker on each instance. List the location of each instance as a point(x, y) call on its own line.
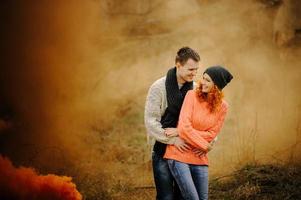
point(198, 127)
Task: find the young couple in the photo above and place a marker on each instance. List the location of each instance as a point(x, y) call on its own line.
point(184, 121)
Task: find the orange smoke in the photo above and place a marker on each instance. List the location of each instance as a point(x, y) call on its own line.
point(25, 183)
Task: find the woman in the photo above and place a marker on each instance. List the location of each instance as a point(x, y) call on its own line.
point(201, 118)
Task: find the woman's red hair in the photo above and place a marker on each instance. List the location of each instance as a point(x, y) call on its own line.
point(214, 97)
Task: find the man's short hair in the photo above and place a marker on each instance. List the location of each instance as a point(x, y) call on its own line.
point(185, 53)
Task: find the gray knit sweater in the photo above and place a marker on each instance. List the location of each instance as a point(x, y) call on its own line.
point(155, 106)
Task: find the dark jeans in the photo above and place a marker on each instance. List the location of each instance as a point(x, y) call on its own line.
point(167, 188)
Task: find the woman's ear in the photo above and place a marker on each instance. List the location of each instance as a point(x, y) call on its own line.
point(216, 88)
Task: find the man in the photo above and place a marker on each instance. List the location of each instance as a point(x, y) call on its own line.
point(162, 109)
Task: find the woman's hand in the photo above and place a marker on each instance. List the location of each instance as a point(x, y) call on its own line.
point(199, 152)
point(171, 132)
point(181, 145)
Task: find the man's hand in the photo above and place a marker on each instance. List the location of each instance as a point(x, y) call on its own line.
point(213, 141)
point(171, 132)
point(181, 145)
point(209, 147)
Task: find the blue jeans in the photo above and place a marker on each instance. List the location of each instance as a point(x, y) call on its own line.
point(167, 188)
point(192, 179)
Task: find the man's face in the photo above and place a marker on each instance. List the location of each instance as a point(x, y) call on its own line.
point(187, 71)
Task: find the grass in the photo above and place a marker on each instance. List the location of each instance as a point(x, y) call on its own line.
point(277, 182)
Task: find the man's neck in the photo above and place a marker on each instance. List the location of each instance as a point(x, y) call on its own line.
point(180, 80)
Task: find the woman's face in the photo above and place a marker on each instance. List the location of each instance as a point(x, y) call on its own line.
point(207, 83)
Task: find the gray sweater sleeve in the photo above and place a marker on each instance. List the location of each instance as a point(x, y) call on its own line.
point(152, 116)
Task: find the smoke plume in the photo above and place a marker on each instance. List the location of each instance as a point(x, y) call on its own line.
point(25, 183)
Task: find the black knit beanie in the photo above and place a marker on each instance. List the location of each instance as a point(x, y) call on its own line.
point(219, 75)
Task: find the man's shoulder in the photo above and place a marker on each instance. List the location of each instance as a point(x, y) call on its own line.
point(157, 91)
point(159, 83)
